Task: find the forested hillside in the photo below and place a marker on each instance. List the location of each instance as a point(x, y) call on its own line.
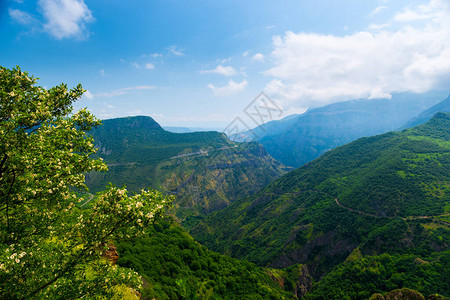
point(174, 266)
point(384, 194)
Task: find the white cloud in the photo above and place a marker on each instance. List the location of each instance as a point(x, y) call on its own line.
point(175, 51)
point(154, 55)
point(229, 89)
point(376, 27)
point(258, 57)
point(408, 56)
point(222, 70)
point(377, 10)
point(66, 18)
point(125, 91)
point(245, 53)
point(21, 17)
point(88, 95)
point(149, 66)
point(136, 65)
point(429, 11)
point(223, 60)
point(102, 72)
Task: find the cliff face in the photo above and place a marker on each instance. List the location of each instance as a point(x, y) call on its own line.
point(213, 181)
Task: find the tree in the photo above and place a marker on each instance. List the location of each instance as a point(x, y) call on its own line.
point(49, 247)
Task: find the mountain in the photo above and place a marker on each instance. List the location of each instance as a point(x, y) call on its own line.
point(299, 139)
point(270, 128)
point(387, 194)
point(426, 115)
point(204, 169)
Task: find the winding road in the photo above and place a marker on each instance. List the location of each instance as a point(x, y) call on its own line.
point(203, 152)
point(357, 211)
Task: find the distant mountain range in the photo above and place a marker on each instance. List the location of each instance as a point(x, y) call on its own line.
point(378, 201)
point(298, 139)
point(205, 170)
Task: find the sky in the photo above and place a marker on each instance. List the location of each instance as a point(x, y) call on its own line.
point(203, 63)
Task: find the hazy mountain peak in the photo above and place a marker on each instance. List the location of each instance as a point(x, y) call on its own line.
point(143, 122)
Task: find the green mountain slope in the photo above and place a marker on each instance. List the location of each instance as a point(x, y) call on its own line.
point(297, 140)
point(361, 278)
point(204, 169)
point(174, 266)
point(384, 194)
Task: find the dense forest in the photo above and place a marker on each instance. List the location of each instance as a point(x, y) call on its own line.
point(387, 194)
point(175, 266)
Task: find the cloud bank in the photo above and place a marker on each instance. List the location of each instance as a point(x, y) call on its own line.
point(411, 52)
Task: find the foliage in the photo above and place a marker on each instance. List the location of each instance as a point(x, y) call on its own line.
point(176, 267)
point(378, 274)
point(49, 247)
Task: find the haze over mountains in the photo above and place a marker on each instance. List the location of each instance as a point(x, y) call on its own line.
point(298, 139)
point(426, 115)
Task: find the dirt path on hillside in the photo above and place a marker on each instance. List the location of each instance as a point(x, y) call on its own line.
point(357, 211)
point(407, 218)
point(203, 152)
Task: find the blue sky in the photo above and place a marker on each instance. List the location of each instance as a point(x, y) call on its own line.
point(200, 63)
